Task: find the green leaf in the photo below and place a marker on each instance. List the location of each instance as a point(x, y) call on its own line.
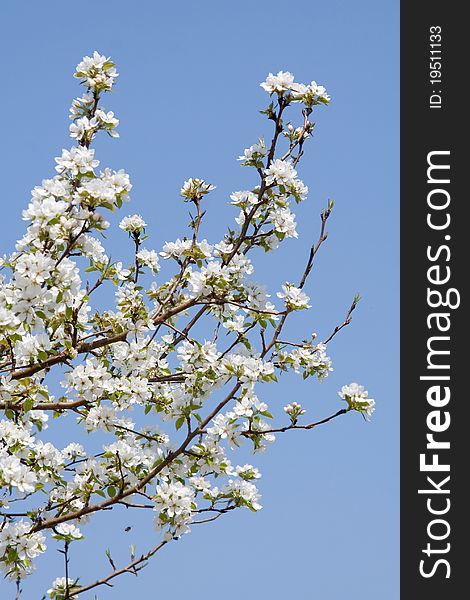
point(44, 394)
point(28, 404)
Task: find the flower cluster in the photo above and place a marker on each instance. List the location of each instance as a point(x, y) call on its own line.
point(358, 399)
point(308, 358)
point(294, 411)
point(195, 189)
point(62, 589)
point(18, 548)
point(283, 83)
point(253, 156)
point(132, 223)
point(294, 298)
point(97, 71)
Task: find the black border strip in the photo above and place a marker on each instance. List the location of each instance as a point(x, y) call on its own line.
point(434, 255)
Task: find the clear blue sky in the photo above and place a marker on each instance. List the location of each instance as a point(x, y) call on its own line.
point(188, 98)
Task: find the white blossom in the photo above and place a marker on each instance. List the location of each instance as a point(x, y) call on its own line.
point(83, 128)
point(281, 172)
point(77, 160)
point(294, 297)
point(149, 258)
point(68, 531)
point(58, 589)
point(195, 188)
point(358, 399)
point(281, 82)
point(97, 71)
point(254, 153)
point(283, 220)
point(132, 223)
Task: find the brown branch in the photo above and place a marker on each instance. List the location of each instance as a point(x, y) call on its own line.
point(346, 321)
point(251, 433)
point(133, 567)
point(313, 251)
point(263, 187)
point(57, 406)
point(86, 347)
point(53, 521)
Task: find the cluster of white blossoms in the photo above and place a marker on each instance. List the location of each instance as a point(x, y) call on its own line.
point(294, 411)
point(132, 223)
point(23, 545)
point(164, 383)
point(67, 531)
point(253, 155)
point(283, 83)
point(294, 297)
point(194, 189)
point(358, 399)
point(308, 358)
point(62, 589)
point(97, 72)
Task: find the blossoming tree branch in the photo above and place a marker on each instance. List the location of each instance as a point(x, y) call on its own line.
point(168, 405)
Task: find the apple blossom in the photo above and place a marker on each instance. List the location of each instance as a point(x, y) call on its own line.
point(278, 83)
point(358, 399)
point(294, 297)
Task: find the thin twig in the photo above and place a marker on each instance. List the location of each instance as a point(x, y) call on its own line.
point(251, 432)
point(133, 567)
point(346, 321)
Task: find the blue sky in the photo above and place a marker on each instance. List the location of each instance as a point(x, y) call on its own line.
point(188, 98)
